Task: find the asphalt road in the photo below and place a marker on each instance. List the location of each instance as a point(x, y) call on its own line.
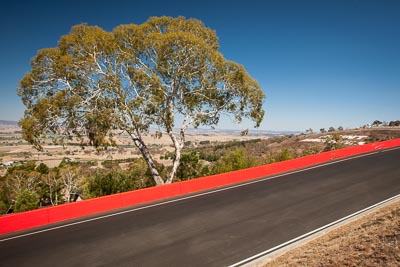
point(216, 229)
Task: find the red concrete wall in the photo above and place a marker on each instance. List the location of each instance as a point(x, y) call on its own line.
point(40, 217)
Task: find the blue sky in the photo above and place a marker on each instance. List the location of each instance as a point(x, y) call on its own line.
point(320, 63)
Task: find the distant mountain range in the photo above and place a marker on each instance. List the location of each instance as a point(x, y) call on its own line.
point(252, 132)
point(8, 123)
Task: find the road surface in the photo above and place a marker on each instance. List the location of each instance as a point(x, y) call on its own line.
point(215, 229)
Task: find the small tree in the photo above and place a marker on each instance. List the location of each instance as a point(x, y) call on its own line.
point(26, 200)
point(333, 142)
point(322, 130)
point(97, 82)
point(71, 183)
point(235, 160)
point(394, 123)
point(53, 182)
point(376, 123)
point(244, 132)
point(284, 155)
point(190, 166)
point(340, 128)
point(21, 180)
point(42, 168)
point(331, 129)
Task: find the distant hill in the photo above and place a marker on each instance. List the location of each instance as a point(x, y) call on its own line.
point(252, 132)
point(8, 123)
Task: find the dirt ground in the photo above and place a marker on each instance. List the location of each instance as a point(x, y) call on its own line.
point(14, 148)
point(372, 240)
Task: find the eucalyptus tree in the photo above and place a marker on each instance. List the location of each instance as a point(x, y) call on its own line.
point(166, 73)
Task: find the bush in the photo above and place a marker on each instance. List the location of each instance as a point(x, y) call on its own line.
point(26, 200)
point(284, 155)
point(190, 167)
point(333, 142)
point(29, 167)
point(236, 160)
point(42, 168)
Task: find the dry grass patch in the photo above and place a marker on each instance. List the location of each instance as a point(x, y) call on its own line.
point(372, 240)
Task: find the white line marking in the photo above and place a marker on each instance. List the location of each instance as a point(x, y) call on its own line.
point(266, 252)
point(192, 196)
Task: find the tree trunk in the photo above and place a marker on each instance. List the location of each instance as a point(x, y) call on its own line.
point(175, 164)
point(51, 195)
point(178, 144)
point(149, 160)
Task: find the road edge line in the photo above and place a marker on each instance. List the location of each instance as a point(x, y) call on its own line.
point(264, 257)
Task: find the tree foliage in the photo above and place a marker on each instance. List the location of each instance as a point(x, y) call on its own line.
point(191, 166)
point(284, 155)
point(95, 82)
point(376, 123)
point(333, 142)
point(23, 189)
point(26, 200)
point(42, 168)
point(236, 160)
point(394, 123)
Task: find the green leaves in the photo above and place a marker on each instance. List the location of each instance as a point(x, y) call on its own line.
point(26, 200)
point(132, 78)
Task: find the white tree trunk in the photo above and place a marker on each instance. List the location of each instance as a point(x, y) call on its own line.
point(178, 144)
point(51, 181)
point(71, 184)
point(149, 160)
point(175, 165)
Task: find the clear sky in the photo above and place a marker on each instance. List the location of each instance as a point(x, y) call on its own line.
point(321, 63)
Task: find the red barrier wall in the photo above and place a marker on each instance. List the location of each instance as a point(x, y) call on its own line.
point(40, 217)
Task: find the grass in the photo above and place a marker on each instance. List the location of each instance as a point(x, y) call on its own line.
point(372, 240)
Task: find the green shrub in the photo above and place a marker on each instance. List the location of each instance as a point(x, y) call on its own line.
point(26, 200)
